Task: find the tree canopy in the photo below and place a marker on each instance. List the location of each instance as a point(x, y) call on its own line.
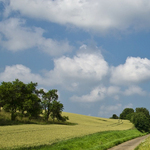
point(126, 112)
point(22, 99)
point(140, 118)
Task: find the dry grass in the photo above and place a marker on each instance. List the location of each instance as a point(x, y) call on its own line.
point(34, 135)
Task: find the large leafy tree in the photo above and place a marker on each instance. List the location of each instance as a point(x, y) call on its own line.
point(32, 106)
point(12, 96)
point(32, 103)
point(126, 113)
point(52, 107)
point(143, 110)
point(48, 98)
point(141, 121)
point(56, 110)
point(25, 100)
point(140, 118)
point(17, 98)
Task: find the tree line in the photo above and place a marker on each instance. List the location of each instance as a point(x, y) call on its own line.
point(25, 100)
point(140, 118)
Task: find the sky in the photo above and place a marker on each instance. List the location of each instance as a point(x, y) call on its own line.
point(95, 53)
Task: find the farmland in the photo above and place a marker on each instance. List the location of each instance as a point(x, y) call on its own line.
point(35, 134)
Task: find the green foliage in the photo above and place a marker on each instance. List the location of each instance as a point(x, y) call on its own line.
point(23, 100)
point(126, 112)
point(140, 118)
point(129, 116)
point(143, 110)
point(52, 107)
point(56, 109)
point(11, 96)
point(32, 106)
point(114, 116)
point(47, 99)
point(141, 121)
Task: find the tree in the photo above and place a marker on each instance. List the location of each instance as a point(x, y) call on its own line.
point(141, 121)
point(51, 106)
point(11, 96)
point(32, 103)
point(114, 116)
point(25, 100)
point(56, 110)
point(48, 98)
point(144, 110)
point(125, 113)
point(17, 98)
point(32, 106)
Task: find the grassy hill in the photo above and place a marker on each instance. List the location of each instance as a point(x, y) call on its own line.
point(34, 134)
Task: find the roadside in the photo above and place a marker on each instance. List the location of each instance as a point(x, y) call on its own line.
point(131, 144)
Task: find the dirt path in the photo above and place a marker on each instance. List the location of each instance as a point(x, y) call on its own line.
point(130, 145)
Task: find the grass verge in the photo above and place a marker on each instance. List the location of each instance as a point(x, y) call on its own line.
point(145, 145)
point(97, 141)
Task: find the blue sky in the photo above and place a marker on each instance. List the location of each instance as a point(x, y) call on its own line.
point(95, 53)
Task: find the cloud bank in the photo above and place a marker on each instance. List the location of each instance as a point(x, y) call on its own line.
point(88, 73)
point(97, 15)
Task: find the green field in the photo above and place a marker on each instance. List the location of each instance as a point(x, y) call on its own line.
point(29, 135)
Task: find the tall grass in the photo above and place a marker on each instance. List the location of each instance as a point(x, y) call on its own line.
point(30, 135)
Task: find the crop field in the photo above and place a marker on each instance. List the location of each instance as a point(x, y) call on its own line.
point(34, 135)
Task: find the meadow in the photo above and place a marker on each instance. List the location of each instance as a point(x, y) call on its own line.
point(30, 135)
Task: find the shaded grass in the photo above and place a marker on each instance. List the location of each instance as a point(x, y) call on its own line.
point(5, 119)
point(97, 141)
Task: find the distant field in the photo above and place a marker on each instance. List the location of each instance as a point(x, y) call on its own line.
point(34, 135)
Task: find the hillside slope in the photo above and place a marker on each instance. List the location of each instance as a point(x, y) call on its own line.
point(33, 135)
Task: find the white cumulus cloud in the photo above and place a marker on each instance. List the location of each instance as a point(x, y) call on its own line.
point(135, 70)
point(98, 15)
point(19, 72)
point(98, 93)
point(15, 36)
point(83, 68)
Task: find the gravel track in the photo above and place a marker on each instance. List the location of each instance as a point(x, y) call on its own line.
point(130, 145)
